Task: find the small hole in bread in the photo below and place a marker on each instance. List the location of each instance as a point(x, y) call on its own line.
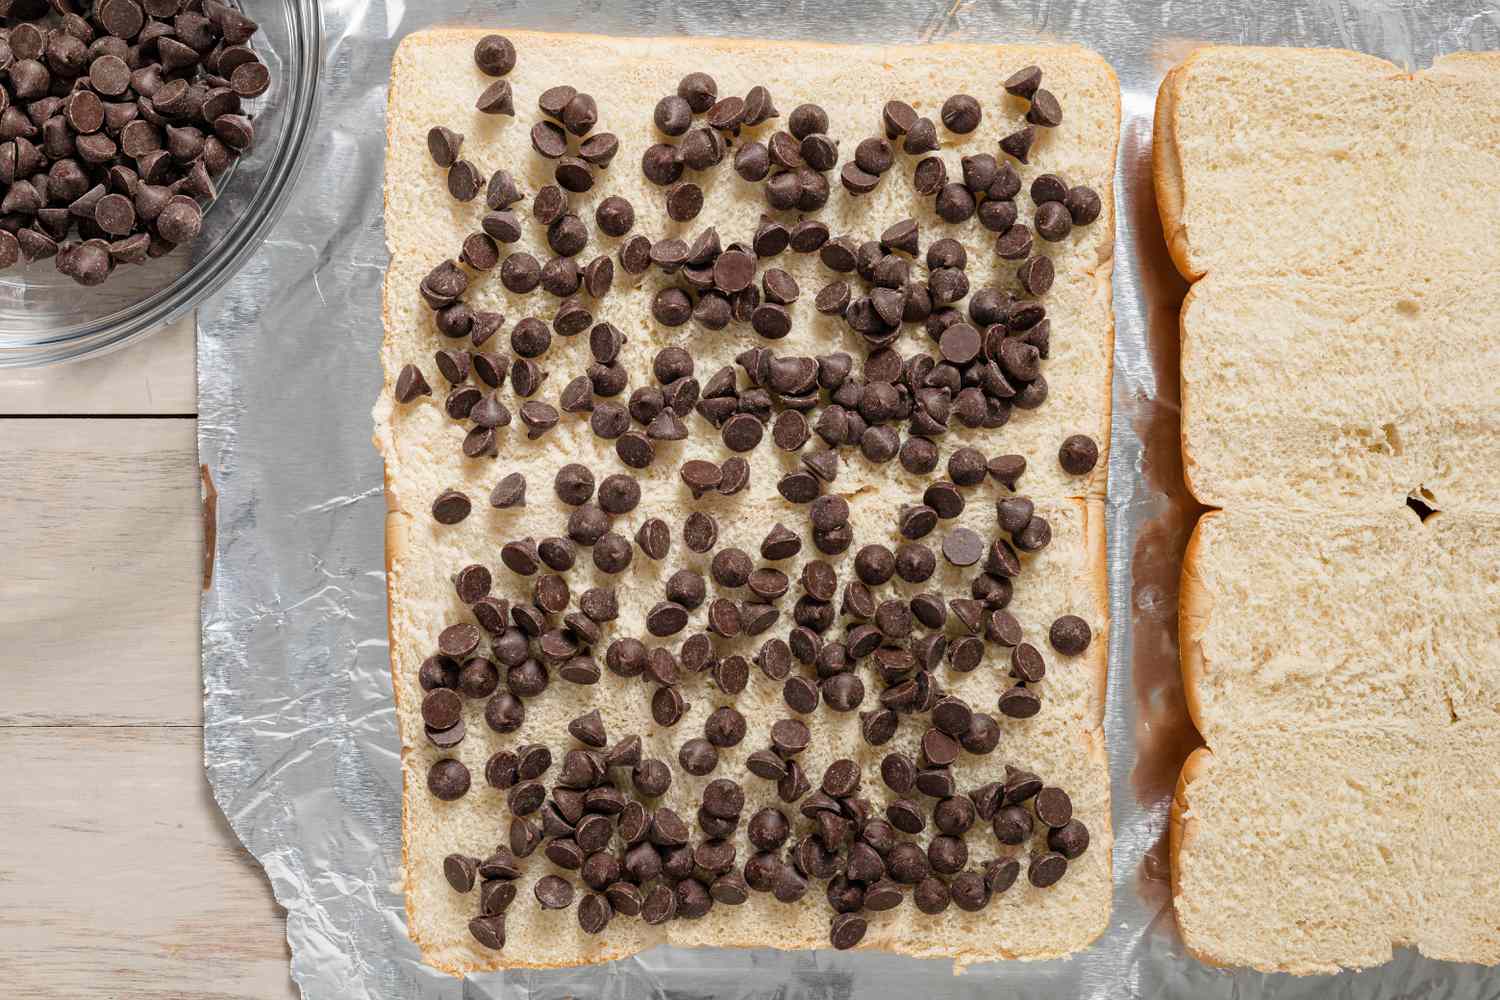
point(1422, 503)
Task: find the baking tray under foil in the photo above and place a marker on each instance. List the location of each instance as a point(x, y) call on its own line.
point(300, 731)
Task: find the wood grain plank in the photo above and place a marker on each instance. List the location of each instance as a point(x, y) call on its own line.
point(155, 375)
point(99, 594)
point(121, 879)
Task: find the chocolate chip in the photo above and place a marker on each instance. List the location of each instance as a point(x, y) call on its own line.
point(847, 930)
point(699, 91)
point(1047, 868)
point(1083, 205)
point(685, 587)
point(698, 756)
point(553, 892)
point(921, 137)
point(451, 507)
point(1070, 840)
point(488, 931)
point(651, 777)
point(574, 484)
point(660, 165)
point(580, 115)
point(635, 449)
point(955, 204)
point(1035, 536)
point(442, 709)
point(520, 273)
point(1052, 221)
point(594, 913)
point(673, 115)
point(800, 695)
point(752, 162)
point(510, 491)
point(930, 176)
point(963, 547)
point(701, 149)
point(612, 553)
point(798, 487)
point(724, 727)
point(448, 779)
point(1018, 144)
point(411, 384)
point(700, 531)
point(459, 870)
point(684, 201)
point(961, 114)
point(1019, 702)
point(1045, 110)
point(1078, 455)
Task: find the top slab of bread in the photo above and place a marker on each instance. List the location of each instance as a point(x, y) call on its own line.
point(1341, 657)
point(1337, 216)
point(434, 82)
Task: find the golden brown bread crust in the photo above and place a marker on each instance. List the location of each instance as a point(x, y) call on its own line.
point(1195, 606)
point(1090, 505)
point(1166, 173)
point(1180, 832)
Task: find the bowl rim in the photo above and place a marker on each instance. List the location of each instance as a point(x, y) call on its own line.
point(207, 276)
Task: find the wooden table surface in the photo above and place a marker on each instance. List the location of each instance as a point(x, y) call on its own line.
point(118, 875)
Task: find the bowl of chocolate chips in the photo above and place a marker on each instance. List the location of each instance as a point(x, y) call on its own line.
point(146, 148)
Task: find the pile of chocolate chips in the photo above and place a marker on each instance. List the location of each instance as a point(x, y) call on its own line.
point(114, 123)
point(597, 816)
point(703, 148)
point(588, 806)
point(639, 860)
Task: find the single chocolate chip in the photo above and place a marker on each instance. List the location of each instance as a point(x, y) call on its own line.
point(921, 137)
point(1083, 205)
point(961, 114)
point(660, 164)
point(411, 384)
point(635, 449)
point(963, 547)
point(1019, 703)
point(450, 507)
point(752, 162)
point(1047, 868)
point(798, 487)
point(1034, 536)
point(847, 930)
point(699, 91)
point(448, 779)
point(698, 756)
point(955, 204)
point(701, 149)
point(1070, 840)
point(700, 531)
point(684, 201)
point(1052, 221)
point(1078, 455)
point(1070, 635)
point(1018, 144)
point(574, 484)
point(673, 115)
point(1045, 110)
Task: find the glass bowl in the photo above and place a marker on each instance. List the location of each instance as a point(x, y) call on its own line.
point(46, 318)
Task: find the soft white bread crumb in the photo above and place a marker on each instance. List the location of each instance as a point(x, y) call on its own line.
point(434, 82)
point(1340, 349)
point(1340, 655)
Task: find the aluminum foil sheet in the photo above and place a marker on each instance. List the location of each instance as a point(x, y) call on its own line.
point(300, 731)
